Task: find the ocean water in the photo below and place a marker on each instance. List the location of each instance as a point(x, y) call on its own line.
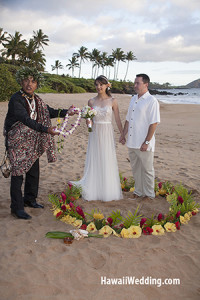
point(191, 96)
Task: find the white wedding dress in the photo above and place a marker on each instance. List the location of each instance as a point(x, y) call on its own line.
point(101, 175)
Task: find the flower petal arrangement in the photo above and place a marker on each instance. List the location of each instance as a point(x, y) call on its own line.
point(182, 208)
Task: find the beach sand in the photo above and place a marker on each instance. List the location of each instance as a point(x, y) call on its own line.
point(34, 267)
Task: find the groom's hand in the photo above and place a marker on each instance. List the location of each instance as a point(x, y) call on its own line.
point(122, 139)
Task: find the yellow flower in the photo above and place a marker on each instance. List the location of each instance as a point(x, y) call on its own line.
point(157, 193)
point(106, 231)
point(132, 189)
point(67, 206)
point(134, 231)
point(56, 211)
point(78, 223)
point(190, 214)
point(170, 227)
point(125, 233)
point(68, 219)
point(122, 186)
point(58, 120)
point(158, 230)
point(195, 210)
point(91, 227)
point(171, 197)
point(183, 220)
point(162, 192)
point(115, 233)
point(187, 216)
point(98, 216)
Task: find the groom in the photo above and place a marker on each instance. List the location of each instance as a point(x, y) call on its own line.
point(28, 134)
point(141, 122)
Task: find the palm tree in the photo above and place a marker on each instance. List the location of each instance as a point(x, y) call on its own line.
point(57, 66)
point(104, 57)
point(83, 55)
point(109, 63)
point(94, 57)
point(129, 57)
point(119, 56)
point(3, 38)
point(40, 39)
point(73, 63)
point(14, 46)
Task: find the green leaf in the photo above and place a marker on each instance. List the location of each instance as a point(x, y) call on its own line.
point(116, 216)
point(58, 235)
point(132, 219)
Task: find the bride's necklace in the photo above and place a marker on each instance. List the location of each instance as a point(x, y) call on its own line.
point(33, 113)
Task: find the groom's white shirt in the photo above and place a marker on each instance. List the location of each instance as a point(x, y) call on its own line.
point(141, 114)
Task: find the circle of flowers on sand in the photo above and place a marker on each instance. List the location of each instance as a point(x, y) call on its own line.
point(182, 208)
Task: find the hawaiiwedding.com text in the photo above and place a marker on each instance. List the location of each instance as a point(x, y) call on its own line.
point(132, 280)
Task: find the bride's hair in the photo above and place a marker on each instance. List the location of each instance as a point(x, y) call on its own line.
point(104, 80)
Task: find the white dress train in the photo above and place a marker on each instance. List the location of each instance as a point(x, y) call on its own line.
point(101, 175)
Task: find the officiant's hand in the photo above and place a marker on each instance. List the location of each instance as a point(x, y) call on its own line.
point(51, 130)
point(72, 110)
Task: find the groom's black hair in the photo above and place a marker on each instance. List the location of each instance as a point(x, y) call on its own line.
point(145, 77)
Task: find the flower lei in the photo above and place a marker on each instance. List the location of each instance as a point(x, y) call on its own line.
point(62, 128)
point(182, 208)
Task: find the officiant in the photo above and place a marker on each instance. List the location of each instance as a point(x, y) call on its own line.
point(28, 134)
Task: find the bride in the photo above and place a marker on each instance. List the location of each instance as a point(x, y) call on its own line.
point(101, 176)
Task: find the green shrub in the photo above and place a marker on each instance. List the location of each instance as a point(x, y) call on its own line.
point(8, 84)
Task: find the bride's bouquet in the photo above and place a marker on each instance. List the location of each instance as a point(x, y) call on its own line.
point(88, 113)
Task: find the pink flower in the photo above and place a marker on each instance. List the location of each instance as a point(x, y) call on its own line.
point(125, 179)
point(180, 199)
point(142, 221)
point(178, 214)
point(80, 211)
point(160, 185)
point(160, 217)
point(64, 197)
point(110, 220)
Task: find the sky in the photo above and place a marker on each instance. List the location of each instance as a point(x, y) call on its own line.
point(162, 34)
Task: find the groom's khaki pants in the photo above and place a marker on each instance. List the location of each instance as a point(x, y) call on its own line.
point(143, 172)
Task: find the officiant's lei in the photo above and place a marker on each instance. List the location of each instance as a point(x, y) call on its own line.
point(182, 208)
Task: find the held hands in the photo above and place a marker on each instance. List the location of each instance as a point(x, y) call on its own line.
point(122, 139)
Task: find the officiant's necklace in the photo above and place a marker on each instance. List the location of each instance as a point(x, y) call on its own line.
point(32, 106)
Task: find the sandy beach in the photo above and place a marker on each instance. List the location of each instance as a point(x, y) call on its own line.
point(36, 268)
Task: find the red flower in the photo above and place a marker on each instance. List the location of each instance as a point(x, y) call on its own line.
point(142, 221)
point(121, 225)
point(194, 213)
point(83, 226)
point(110, 220)
point(70, 185)
point(58, 214)
point(80, 211)
point(177, 225)
point(72, 199)
point(125, 179)
point(180, 199)
point(160, 185)
point(63, 207)
point(64, 197)
point(178, 214)
point(71, 204)
point(160, 217)
point(147, 230)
